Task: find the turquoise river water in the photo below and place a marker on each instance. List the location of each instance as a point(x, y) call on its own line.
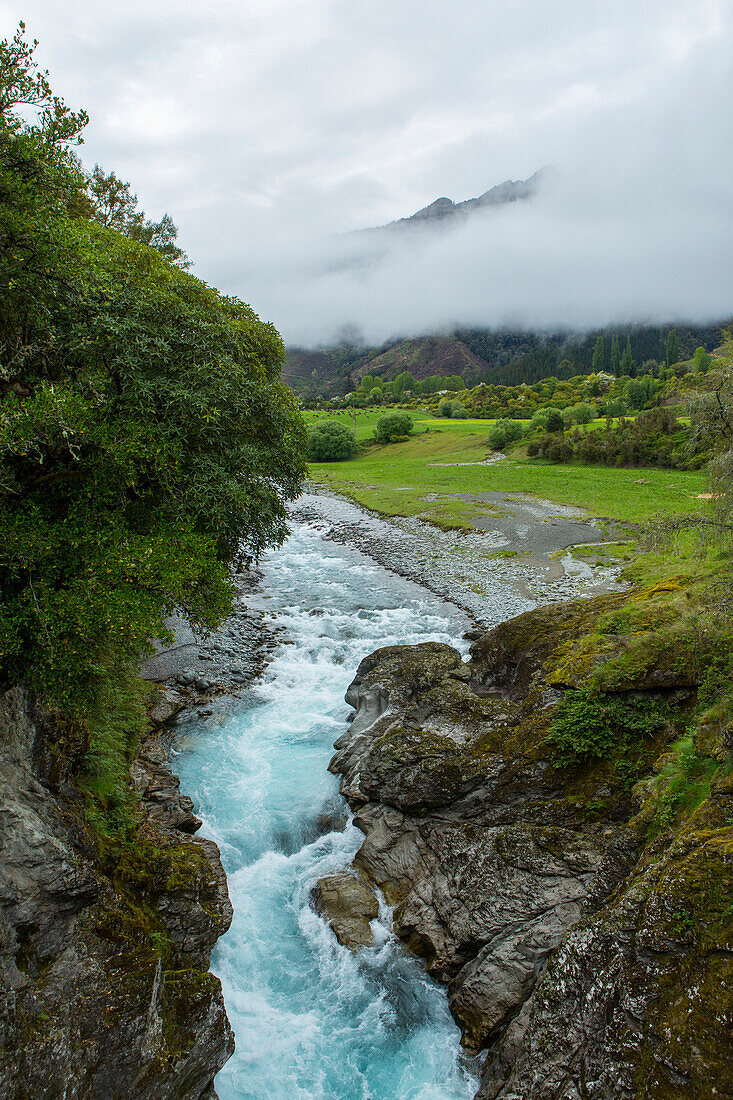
point(313, 1021)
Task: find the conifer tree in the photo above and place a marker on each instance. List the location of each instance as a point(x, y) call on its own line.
point(673, 348)
point(628, 366)
point(615, 356)
point(599, 356)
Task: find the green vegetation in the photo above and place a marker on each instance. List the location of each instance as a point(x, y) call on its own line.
point(393, 427)
point(504, 431)
point(146, 439)
point(468, 358)
point(684, 781)
point(330, 442)
point(653, 438)
point(587, 725)
point(446, 462)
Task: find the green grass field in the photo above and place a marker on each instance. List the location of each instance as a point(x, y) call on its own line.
point(418, 477)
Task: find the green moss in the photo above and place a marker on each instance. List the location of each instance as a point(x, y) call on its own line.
point(115, 721)
point(683, 783)
point(186, 999)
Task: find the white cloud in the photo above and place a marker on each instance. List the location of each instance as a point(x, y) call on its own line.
point(267, 126)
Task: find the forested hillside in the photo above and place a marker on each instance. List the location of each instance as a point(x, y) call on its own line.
point(494, 357)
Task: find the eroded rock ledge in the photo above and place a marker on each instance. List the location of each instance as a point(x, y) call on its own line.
point(104, 948)
point(588, 953)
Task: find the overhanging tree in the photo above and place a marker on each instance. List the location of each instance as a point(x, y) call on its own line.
point(146, 438)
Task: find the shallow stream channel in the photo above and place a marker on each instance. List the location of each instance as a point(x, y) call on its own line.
point(312, 1020)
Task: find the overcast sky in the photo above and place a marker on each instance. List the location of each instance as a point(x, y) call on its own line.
point(267, 127)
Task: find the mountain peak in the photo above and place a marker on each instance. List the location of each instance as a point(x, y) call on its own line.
point(506, 192)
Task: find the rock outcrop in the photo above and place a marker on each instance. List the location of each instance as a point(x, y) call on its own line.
point(104, 942)
point(586, 939)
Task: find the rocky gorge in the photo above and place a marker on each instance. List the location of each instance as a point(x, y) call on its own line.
point(580, 918)
point(584, 930)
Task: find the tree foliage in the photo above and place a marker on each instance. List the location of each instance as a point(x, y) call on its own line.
point(392, 426)
point(146, 439)
point(113, 205)
point(330, 442)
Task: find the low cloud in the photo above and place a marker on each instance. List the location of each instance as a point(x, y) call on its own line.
point(271, 130)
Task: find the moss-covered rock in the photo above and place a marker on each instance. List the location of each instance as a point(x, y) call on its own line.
point(567, 869)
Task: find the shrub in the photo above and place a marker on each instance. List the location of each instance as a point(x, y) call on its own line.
point(589, 727)
point(330, 442)
point(503, 432)
point(549, 418)
point(393, 424)
point(554, 422)
point(445, 409)
point(582, 413)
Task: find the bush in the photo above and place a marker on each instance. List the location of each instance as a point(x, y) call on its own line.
point(554, 422)
point(503, 432)
point(589, 727)
point(445, 409)
point(393, 424)
point(582, 413)
point(330, 442)
point(550, 419)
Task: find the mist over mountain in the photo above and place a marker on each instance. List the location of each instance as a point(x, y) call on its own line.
point(445, 211)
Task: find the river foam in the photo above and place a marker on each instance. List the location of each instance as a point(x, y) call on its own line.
point(313, 1021)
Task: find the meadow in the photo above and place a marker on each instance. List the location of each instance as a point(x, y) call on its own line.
point(441, 475)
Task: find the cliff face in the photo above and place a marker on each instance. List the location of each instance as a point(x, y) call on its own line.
point(583, 925)
point(104, 944)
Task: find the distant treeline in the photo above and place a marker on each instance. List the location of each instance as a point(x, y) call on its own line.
point(513, 358)
point(526, 357)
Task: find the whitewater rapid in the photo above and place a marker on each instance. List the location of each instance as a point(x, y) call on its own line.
point(312, 1021)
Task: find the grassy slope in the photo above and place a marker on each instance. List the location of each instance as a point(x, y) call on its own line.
point(395, 479)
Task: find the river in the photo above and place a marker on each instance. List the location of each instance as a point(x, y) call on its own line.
point(313, 1021)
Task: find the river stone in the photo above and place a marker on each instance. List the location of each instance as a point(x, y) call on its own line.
point(348, 904)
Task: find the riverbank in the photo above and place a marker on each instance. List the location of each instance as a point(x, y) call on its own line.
point(530, 553)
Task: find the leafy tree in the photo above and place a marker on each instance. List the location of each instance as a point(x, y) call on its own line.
point(583, 413)
point(701, 360)
point(445, 409)
point(330, 442)
point(393, 426)
point(712, 420)
point(638, 391)
point(550, 419)
point(599, 356)
point(504, 431)
point(147, 441)
point(628, 365)
point(114, 206)
point(405, 381)
point(616, 408)
point(673, 348)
